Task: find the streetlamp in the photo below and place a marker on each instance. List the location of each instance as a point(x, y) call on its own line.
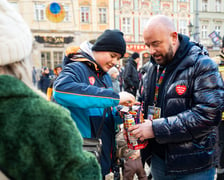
point(190, 29)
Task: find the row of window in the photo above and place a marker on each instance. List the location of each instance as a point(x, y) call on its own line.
point(205, 33)
point(84, 13)
point(126, 25)
point(217, 5)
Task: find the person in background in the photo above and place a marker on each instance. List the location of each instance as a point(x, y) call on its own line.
point(57, 71)
point(45, 80)
point(219, 59)
point(120, 77)
point(34, 76)
point(130, 76)
point(85, 88)
point(183, 104)
point(143, 70)
point(38, 139)
point(114, 73)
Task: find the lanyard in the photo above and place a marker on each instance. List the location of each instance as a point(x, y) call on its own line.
point(159, 80)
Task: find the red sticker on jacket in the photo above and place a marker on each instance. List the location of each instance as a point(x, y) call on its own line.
point(181, 89)
point(92, 80)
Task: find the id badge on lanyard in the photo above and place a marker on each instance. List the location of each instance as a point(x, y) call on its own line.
point(153, 111)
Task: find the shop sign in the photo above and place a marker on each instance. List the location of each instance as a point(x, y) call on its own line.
point(54, 40)
point(136, 47)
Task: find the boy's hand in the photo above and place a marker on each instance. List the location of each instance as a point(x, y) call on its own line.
point(126, 99)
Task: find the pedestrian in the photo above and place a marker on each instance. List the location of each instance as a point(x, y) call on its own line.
point(114, 73)
point(57, 71)
point(143, 72)
point(34, 76)
point(85, 88)
point(38, 138)
point(219, 59)
point(45, 80)
point(120, 77)
point(131, 76)
point(183, 102)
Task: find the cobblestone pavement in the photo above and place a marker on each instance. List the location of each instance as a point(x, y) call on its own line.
point(147, 170)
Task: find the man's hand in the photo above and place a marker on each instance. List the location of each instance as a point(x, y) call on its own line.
point(142, 131)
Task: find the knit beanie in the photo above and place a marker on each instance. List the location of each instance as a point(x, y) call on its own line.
point(15, 36)
point(113, 70)
point(135, 55)
point(111, 41)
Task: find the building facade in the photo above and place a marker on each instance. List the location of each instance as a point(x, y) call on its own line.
point(210, 19)
point(132, 15)
point(87, 19)
point(83, 20)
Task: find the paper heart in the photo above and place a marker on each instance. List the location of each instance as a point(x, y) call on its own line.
point(92, 80)
point(181, 89)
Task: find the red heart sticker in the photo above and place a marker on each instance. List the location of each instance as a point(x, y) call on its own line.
point(181, 89)
point(92, 80)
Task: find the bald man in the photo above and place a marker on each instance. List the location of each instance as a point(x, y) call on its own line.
point(183, 101)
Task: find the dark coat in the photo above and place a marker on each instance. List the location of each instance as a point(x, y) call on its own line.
point(191, 98)
point(130, 76)
point(86, 91)
point(44, 83)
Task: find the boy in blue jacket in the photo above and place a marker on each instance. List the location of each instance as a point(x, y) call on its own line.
point(85, 88)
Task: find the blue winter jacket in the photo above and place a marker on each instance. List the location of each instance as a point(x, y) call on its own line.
point(191, 98)
point(86, 91)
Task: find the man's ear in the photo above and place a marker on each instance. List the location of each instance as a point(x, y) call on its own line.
point(174, 36)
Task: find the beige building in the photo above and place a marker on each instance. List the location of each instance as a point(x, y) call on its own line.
point(86, 19)
point(83, 20)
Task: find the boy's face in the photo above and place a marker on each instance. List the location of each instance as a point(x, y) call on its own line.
point(106, 60)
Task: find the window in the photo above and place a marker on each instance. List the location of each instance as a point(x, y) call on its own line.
point(183, 26)
point(204, 31)
point(84, 14)
point(102, 15)
point(58, 57)
point(205, 5)
point(15, 6)
point(67, 15)
point(217, 5)
point(218, 29)
point(39, 12)
point(126, 25)
point(142, 24)
point(46, 59)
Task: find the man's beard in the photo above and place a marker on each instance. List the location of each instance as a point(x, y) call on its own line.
point(168, 56)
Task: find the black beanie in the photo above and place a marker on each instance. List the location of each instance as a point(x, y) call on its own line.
point(135, 55)
point(111, 41)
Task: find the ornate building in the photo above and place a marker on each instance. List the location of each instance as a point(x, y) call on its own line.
point(132, 15)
